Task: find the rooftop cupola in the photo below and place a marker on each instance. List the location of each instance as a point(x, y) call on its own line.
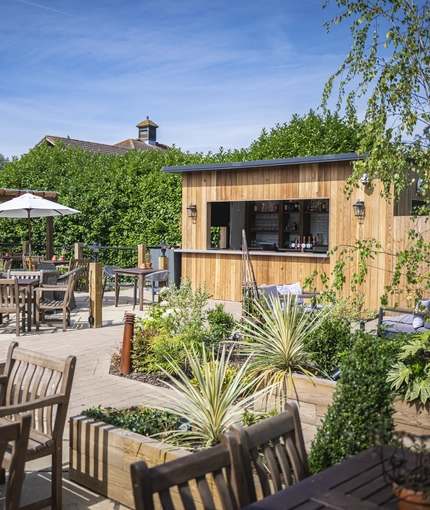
point(147, 131)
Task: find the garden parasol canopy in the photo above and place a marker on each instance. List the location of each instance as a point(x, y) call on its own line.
point(32, 206)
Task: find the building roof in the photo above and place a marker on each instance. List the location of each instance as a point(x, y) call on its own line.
point(140, 145)
point(87, 146)
point(7, 194)
point(147, 122)
point(307, 160)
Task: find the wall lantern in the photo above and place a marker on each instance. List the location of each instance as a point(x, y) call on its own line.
point(192, 211)
point(359, 209)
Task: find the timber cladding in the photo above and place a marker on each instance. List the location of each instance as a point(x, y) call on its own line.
point(222, 272)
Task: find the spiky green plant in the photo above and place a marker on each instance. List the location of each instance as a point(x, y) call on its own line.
point(213, 401)
point(276, 335)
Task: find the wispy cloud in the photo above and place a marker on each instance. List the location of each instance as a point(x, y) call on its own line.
point(44, 7)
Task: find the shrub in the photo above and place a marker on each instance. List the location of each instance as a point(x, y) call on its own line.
point(143, 421)
point(410, 375)
point(361, 413)
point(328, 342)
point(220, 325)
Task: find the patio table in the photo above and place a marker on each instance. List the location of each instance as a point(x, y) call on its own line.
point(138, 273)
point(358, 483)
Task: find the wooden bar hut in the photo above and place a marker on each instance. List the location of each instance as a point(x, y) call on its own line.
point(293, 211)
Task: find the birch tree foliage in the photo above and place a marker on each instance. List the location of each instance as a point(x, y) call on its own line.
point(388, 66)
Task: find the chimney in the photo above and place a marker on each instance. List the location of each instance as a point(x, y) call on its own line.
point(147, 131)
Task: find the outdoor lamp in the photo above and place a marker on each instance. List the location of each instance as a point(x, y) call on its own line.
point(96, 249)
point(192, 211)
point(163, 247)
point(359, 209)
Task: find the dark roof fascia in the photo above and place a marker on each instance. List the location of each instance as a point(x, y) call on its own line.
point(307, 160)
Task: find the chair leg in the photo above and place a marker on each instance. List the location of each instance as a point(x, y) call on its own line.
point(65, 317)
point(37, 316)
point(57, 478)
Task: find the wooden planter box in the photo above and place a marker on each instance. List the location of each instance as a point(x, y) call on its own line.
point(101, 454)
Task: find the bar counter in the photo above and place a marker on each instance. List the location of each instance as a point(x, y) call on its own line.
point(261, 253)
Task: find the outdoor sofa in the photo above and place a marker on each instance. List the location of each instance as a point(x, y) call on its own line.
point(406, 321)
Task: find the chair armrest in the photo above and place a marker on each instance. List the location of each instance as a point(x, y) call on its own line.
point(50, 288)
point(32, 405)
point(400, 310)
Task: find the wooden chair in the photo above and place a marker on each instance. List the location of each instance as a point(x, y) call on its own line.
point(85, 263)
point(40, 384)
point(7, 264)
point(14, 438)
point(12, 300)
point(222, 462)
point(46, 300)
point(273, 446)
point(29, 261)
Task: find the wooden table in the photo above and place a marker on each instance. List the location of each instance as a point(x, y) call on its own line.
point(137, 273)
point(359, 483)
point(56, 262)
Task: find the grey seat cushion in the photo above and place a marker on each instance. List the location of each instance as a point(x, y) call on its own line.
point(403, 324)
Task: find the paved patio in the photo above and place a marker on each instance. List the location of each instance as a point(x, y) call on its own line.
point(93, 385)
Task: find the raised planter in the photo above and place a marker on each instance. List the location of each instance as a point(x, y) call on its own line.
point(101, 454)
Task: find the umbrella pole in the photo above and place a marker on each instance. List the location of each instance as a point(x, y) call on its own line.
point(29, 233)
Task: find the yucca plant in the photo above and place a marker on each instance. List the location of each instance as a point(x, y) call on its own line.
point(276, 341)
point(213, 401)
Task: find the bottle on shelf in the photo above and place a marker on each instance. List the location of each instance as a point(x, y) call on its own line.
point(255, 207)
point(323, 206)
point(288, 226)
point(263, 207)
point(286, 206)
point(295, 225)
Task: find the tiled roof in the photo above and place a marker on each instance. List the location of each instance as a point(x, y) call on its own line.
point(86, 146)
point(147, 122)
point(140, 145)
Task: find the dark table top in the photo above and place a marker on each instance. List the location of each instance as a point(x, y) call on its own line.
point(359, 483)
point(135, 271)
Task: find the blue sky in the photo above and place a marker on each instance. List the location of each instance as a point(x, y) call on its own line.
point(210, 74)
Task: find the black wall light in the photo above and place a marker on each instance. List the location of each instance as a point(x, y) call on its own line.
point(192, 211)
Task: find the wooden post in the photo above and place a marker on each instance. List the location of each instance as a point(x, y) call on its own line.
point(96, 287)
point(25, 247)
point(141, 252)
point(127, 344)
point(79, 251)
point(49, 238)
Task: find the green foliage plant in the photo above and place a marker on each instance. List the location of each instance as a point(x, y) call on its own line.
point(220, 325)
point(145, 421)
point(329, 342)
point(211, 400)
point(276, 342)
point(410, 375)
point(361, 413)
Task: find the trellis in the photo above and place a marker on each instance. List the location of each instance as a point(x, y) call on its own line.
point(249, 283)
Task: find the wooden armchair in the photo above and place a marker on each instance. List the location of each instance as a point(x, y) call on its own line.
point(222, 462)
point(14, 439)
point(275, 446)
point(12, 300)
point(40, 384)
point(85, 274)
point(45, 301)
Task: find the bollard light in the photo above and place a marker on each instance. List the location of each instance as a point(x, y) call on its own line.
point(95, 247)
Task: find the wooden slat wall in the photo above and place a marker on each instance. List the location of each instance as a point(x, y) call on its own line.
point(223, 272)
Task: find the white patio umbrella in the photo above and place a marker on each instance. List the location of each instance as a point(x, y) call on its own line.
point(31, 206)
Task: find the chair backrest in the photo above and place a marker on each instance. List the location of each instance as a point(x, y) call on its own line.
point(217, 467)
point(279, 441)
point(8, 293)
point(76, 273)
point(31, 376)
point(85, 274)
point(46, 266)
point(266, 291)
point(159, 276)
point(7, 264)
point(29, 261)
point(109, 271)
point(15, 434)
point(26, 275)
